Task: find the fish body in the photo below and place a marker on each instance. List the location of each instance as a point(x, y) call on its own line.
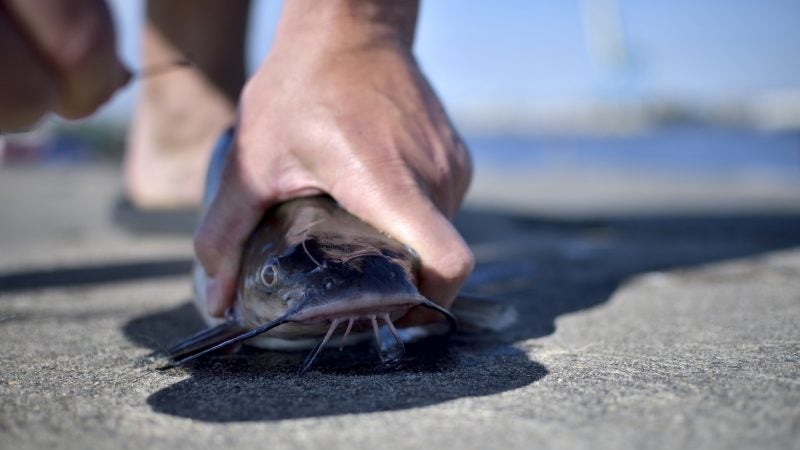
point(308, 269)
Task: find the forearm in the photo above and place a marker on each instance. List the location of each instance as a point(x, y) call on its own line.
point(349, 23)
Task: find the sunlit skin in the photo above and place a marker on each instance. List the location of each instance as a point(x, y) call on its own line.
point(338, 106)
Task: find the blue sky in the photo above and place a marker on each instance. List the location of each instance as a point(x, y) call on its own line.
point(512, 53)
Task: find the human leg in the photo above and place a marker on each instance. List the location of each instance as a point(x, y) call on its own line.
point(180, 114)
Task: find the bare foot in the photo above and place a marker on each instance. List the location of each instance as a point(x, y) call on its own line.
point(178, 117)
point(180, 114)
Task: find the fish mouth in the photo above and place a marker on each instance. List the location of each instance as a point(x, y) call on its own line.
point(360, 308)
point(363, 307)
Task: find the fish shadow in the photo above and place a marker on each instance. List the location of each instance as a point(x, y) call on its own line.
point(544, 268)
point(259, 385)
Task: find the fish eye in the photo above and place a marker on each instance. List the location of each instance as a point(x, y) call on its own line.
point(269, 275)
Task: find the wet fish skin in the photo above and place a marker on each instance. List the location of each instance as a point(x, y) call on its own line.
point(311, 259)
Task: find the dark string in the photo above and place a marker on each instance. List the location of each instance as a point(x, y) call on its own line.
point(161, 68)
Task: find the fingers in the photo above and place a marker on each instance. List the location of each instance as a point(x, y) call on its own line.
point(27, 90)
point(403, 211)
point(230, 218)
point(75, 38)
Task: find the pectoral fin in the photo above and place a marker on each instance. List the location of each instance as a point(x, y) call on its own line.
point(479, 314)
point(217, 338)
point(475, 316)
point(204, 340)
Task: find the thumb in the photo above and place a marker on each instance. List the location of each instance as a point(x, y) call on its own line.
point(228, 221)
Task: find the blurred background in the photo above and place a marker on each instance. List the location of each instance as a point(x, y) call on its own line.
point(571, 107)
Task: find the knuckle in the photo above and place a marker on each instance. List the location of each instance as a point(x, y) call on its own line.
point(85, 44)
point(458, 264)
point(91, 71)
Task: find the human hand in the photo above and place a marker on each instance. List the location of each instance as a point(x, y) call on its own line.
point(340, 106)
point(56, 55)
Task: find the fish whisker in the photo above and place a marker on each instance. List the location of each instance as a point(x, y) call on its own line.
point(309, 255)
point(314, 353)
point(377, 335)
point(451, 319)
point(242, 337)
point(397, 339)
point(305, 239)
point(346, 332)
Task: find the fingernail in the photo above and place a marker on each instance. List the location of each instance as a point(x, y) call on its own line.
point(213, 298)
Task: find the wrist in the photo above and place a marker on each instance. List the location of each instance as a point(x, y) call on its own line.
point(347, 24)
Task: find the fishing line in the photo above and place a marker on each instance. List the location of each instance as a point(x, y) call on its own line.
point(153, 70)
point(156, 69)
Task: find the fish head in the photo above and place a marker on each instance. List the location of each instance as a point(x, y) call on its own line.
point(332, 272)
point(358, 279)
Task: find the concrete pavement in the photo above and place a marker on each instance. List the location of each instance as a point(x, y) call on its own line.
point(634, 332)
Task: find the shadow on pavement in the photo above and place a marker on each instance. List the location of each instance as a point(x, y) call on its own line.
point(545, 268)
point(548, 268)
point(109, 272)
point(261, 385)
